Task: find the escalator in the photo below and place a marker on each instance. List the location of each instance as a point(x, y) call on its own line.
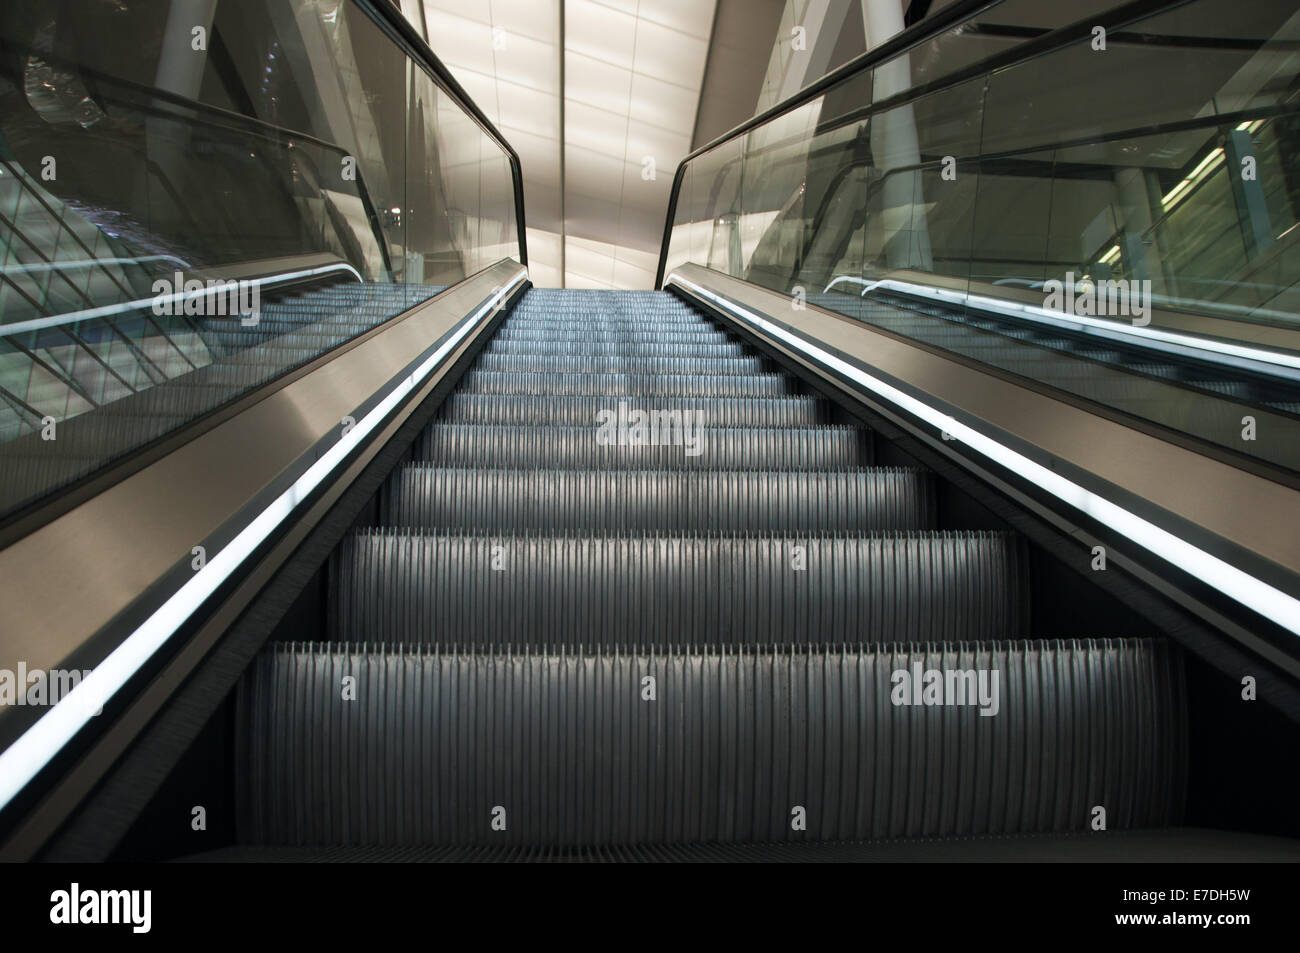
point(664, 641)
point(427, 563)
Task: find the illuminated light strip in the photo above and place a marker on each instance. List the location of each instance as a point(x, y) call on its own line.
point(21, 761)
point(1203, 168)
point(1255, 594)
point(73, 264)
point(1273, 363)
point(72, 317)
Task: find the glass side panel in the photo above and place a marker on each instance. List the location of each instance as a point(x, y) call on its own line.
point(197, 198)
point(1113, 217)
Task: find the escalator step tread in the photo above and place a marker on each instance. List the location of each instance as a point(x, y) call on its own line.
point(524, 409)
point(417, 586)
point(626, 348)
point(627, 384)
point(588, 364)
point(580, 336)
point(695, 447)
point(660, 500)
point(565, 747)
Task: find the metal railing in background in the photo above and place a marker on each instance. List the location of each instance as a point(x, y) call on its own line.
point(1105, 208)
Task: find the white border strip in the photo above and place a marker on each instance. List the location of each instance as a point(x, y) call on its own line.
point(178, 297)
point(1275, 363)
point(21, 761)
point(1255, 594)
point(75, 264)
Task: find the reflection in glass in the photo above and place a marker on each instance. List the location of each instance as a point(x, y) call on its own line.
point(1120, 226)
point(152, 153)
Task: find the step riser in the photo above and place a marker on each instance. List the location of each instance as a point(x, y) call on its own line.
point(689, 447)
point(627, 385)
point(730, 746)
point(621, 365)
point(578, 337)
point(656, 501)
point(609, 590)
point(524, 410)
point(624, 349)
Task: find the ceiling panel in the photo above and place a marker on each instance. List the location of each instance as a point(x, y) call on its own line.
point(480, 11)
point(666, 105)
point(633, 70)
point(527, 62)
point(596, 83)
point(670, 55)
point(626, 6)
point(529, 18)
point(591, 173)
point(599, 32)
point(461, 40)
point(666, 146)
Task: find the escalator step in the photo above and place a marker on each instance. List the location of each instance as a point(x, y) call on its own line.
point(655, 323)
point(625, 348)
point(670, 501)
point(422, 587)
point(607, 364)
point(517, 409)
point(566, 747)
point(580, 336)
point(628, 385)
point(696, 448)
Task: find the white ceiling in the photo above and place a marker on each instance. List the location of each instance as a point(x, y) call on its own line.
point(632, 76)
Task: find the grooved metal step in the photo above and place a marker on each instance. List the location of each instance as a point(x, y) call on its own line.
point(597, 322)
point(773, 745)
point(627, 385)
point(619, 490)
point(607, 364)
point(573, 410)
point(396, 585)
point(666, 501)
point(582, 335)
point(694, 447)
point(624, 348)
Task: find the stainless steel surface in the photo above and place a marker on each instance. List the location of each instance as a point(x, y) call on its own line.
point(116, 545)
point(1242, 508)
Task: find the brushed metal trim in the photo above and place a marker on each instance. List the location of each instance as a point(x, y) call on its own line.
point(1222, 502)
point(105, 769)
point(130, 547)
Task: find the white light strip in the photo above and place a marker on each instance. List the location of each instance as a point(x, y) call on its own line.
point(73, 264)
point(1180, 191)
point(35, 747)
point(1253, 593)
point(72, 317)
point(1206, 349)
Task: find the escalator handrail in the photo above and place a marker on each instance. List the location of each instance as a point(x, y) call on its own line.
point(898, 44)
point(911, 36)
